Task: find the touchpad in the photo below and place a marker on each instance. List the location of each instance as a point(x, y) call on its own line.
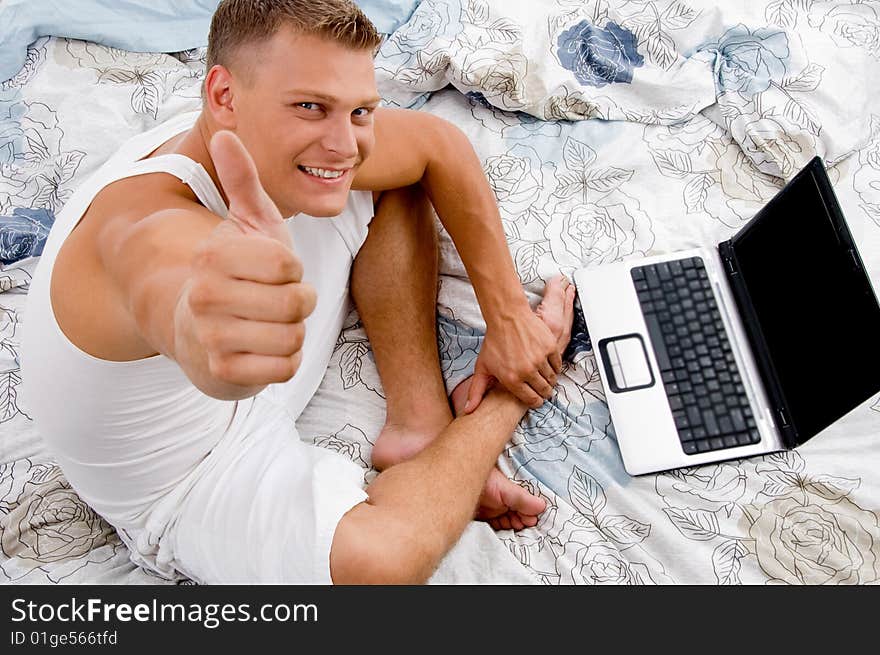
point(626, 363)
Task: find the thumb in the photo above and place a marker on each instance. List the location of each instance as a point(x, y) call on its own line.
point(249, 204)
point(480, 383)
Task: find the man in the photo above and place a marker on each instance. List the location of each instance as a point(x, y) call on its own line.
point(167, 354)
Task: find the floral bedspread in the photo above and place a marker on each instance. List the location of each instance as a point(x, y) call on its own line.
point(608, 129)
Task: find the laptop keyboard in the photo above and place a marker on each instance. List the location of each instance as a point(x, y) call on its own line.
point(705, 391)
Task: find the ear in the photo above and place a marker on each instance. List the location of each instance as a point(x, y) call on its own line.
point(218, 97)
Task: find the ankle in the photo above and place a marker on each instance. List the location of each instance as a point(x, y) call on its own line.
point(419, 416)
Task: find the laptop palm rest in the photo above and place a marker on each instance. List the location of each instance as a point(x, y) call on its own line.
point(626, 363)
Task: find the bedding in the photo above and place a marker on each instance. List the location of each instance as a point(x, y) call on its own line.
point(141, 25)
point(608, 129)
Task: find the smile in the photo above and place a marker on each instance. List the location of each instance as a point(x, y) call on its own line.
point(324, 173)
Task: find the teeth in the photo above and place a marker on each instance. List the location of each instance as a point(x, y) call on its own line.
point(320, 172)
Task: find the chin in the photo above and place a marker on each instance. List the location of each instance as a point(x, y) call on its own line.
point(324, 209)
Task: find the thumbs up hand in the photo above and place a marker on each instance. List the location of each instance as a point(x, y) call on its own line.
point(243, 308)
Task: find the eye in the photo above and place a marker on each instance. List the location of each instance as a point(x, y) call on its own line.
point(308, 105)
point(362, 112)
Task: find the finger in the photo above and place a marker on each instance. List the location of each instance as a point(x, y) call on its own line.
point(259, 258)
point(555, 359)
point(547, 372)
point(526, 395)
point(253, 301)
point(540, 386)
point(248, 369)
point(479, 385)
point(248, 201)
point(234, 335)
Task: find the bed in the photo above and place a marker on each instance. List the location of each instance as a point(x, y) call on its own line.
point(608, 129)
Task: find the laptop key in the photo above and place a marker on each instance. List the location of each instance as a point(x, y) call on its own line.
point(730, 441)
point(725, 424)
point(711, 423)
point(656, 337)
point(703, 446)
point(738, 420)
point(681, 420)
point(689, 447)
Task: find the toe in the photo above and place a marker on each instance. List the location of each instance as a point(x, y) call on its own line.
point(459, 395)
point(552, 309)
point(528, 521)
point(515, 521)
point(520, 500)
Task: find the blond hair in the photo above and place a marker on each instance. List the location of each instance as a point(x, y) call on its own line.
point(238, 23)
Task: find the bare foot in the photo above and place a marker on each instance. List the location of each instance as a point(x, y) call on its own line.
point(397, 443)
point(504, 504)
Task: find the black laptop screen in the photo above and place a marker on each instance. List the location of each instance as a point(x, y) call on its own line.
point(816, 311)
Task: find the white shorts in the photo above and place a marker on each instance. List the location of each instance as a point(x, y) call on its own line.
point(267, 509)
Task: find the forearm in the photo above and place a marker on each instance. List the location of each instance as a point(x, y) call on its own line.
point(458, 189)
point(150, 260)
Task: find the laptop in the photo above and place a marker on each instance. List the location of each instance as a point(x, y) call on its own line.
point(751, 347)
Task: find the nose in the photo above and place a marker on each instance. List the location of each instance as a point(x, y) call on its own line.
point(341, 138)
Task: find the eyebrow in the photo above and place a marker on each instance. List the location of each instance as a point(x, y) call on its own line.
point(374, 100)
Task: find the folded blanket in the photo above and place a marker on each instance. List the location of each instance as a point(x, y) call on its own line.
point(136, 25)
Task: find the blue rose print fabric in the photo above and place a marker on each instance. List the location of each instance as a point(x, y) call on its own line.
point(24, 233)
point(554, 60)
point(599, 56)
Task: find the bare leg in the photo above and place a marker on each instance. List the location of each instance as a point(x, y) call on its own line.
point(394, 285)
point(418, 509)
point(503, 503)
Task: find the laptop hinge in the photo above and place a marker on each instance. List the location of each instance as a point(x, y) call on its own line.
point(759, 348)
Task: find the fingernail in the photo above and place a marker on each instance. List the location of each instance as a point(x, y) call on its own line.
point(467, 406)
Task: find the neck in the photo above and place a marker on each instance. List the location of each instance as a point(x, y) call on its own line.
point(194, 144)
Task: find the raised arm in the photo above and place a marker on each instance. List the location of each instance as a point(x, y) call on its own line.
point(223, 298)
point(416, 147)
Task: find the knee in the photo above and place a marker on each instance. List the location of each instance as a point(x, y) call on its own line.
point(372, 547)
point(410, 203)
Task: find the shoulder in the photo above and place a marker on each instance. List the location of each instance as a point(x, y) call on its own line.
point(155, 202)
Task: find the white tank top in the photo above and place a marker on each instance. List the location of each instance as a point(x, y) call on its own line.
point(130, 436)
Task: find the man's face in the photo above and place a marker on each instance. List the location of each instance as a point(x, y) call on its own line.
point(305, 115)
